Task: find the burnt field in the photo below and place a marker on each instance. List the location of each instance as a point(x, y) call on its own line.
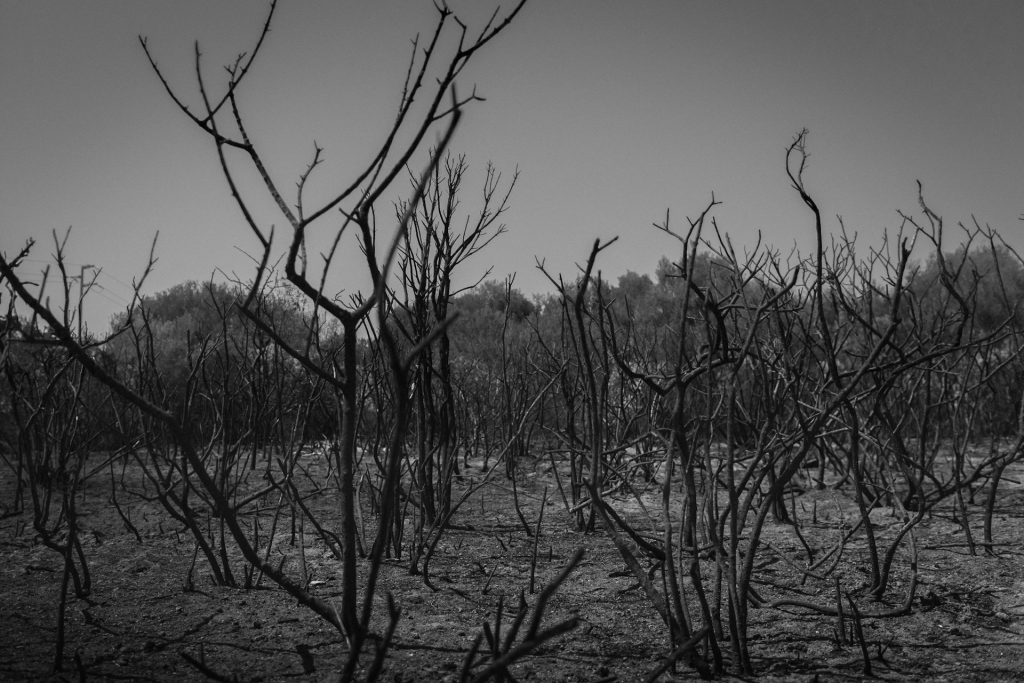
point(801, 463)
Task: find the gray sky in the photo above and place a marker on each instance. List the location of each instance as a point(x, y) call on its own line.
point(613, 112)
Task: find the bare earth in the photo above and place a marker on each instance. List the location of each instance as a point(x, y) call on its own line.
point(967, 622)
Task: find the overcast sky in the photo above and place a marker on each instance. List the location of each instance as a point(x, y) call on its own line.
point(612, 111)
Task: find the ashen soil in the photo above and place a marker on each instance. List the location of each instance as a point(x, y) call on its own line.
point(151, 616)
